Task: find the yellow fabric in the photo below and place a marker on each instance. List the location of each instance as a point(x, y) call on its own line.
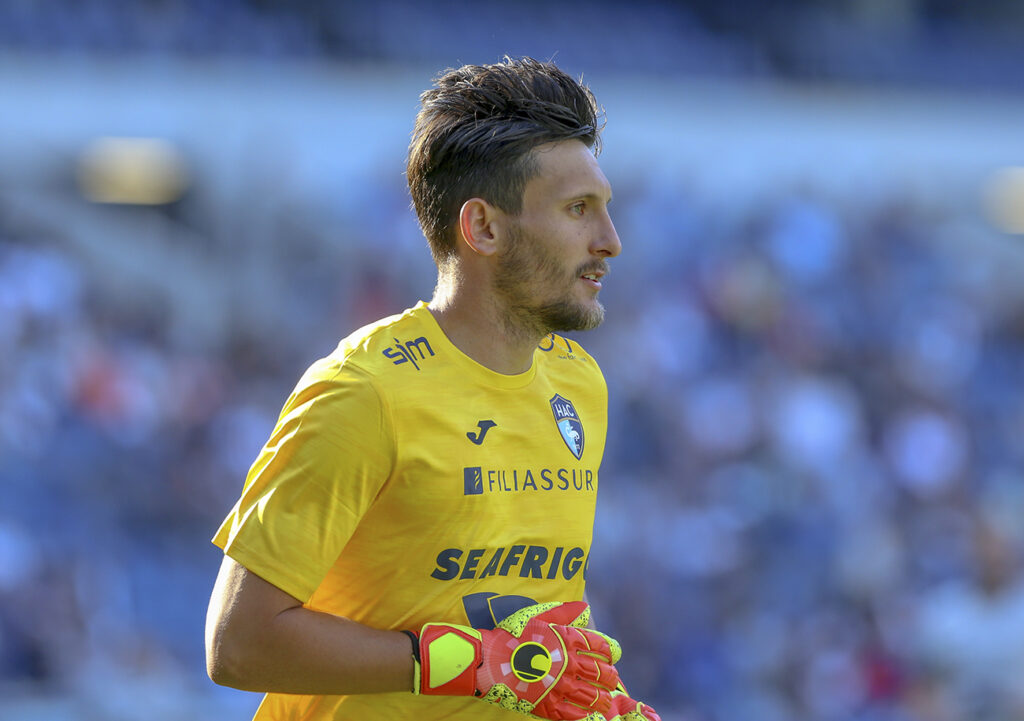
point(402, 477)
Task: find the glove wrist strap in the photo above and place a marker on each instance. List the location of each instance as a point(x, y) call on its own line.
point(415, 644)
point(415, 660)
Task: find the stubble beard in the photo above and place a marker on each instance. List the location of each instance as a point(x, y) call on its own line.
point(528, 265)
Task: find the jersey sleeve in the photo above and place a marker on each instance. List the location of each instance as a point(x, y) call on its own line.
point(328, 457)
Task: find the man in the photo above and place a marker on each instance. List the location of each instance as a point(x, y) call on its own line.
point(435, 477)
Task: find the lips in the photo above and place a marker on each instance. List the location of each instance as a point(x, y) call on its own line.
point(591, 279)
point(594, 275)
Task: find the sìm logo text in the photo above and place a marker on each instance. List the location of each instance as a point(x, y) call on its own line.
point(477, 480)
point(406, 352)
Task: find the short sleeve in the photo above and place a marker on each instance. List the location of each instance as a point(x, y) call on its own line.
point(328, 457)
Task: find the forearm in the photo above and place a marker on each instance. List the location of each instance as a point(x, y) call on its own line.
point(292, 649)
point(308, 652)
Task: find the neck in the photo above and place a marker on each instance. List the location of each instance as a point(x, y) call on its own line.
point(481, 328)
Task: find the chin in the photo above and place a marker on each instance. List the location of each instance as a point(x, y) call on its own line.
point(562, 317)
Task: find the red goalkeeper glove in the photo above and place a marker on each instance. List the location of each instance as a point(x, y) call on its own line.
point(541, 660)
point(626, 709)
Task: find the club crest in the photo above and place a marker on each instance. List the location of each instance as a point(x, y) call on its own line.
point(569, 425)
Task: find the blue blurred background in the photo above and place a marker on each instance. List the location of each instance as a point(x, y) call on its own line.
point(811, 505)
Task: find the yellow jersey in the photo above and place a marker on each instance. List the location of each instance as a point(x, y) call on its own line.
point(405, 483)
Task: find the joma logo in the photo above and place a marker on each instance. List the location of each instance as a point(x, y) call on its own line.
point(408, 351)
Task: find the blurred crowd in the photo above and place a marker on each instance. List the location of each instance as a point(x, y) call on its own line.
point(809, 507)
point(924, 42)
point(115, 449)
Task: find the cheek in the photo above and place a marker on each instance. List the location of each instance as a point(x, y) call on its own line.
point(549, 249)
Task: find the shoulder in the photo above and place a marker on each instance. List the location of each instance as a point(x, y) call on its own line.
point(355, 365)
point(377, 348)
point(364, 345)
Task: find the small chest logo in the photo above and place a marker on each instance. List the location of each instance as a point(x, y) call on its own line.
point(483, 426)
point(569, 425)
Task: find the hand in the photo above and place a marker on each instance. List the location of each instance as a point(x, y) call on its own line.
point(541, 660)
point(626, 709)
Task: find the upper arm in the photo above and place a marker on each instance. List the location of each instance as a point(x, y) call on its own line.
point(325, 462)
point(241, 606)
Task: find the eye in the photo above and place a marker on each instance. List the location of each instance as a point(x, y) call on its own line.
point(577, 208)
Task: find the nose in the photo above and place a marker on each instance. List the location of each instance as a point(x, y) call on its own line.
point(607, 243)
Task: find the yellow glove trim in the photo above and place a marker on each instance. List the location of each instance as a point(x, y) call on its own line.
point(516, 623)
point(450, 655)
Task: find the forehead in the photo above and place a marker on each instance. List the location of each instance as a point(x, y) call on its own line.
point(566, 169)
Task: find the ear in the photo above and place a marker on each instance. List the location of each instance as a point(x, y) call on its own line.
point(479, 226)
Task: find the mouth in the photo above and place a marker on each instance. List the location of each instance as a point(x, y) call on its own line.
point(593, 278)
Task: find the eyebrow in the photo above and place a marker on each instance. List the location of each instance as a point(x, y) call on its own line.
point(588, 196)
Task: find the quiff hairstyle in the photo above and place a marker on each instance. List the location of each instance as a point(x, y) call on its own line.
point(475, 132)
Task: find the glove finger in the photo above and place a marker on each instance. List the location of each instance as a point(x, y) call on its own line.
point(576, 701)
point(589, 657)
point(624, 708)
point(603, 644)
point(570, 613)
point(595, 644)
point(647, 712)
point(583, 705)
point(598, 673)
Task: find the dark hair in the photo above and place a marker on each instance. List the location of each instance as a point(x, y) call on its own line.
point(474, 133)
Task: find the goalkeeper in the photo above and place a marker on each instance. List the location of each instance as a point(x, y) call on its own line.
point(412, 540)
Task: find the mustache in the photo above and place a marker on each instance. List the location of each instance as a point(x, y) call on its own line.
point(600, 266)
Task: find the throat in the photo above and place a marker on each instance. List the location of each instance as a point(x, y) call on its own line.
point(489, 338)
